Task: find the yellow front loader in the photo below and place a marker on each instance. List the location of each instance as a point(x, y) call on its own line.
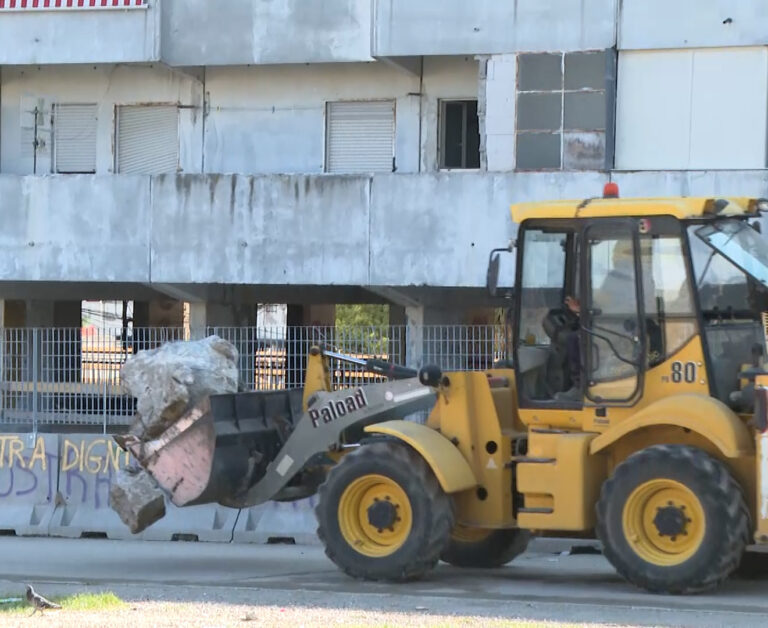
point(632, 405)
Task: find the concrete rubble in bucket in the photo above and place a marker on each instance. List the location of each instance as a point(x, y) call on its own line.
point(166, 383)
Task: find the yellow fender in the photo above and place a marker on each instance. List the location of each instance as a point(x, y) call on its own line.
point(706, 416)
point(449, 466)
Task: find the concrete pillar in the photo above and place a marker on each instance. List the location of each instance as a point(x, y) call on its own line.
point(48, 350)
point(397, 315)
point(205, 314)
point(430, 338)
point(166, 313)
point(38, 313)
point(56, 342)
point(233, 322)
point(156, 322)
point(306, 325)
point(414, 336)
point(397, 336)
point(66, 350)
point(323, 315)
point(295, 353)
point(12, 313)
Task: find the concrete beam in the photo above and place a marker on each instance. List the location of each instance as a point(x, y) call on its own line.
point(411, 65)
point(395, 296)
point(191, 294)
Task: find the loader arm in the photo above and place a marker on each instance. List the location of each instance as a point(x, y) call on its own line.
point(227, 449)
point(330, 414)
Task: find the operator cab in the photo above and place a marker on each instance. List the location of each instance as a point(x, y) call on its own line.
point(608, 303)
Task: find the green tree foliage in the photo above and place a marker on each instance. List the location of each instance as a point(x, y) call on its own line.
point(363, 328)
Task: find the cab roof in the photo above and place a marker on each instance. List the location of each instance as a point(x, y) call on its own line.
point(677, 206)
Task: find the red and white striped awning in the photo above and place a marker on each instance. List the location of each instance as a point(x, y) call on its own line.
point(65, 5)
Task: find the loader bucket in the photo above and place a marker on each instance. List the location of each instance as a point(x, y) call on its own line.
point(220, 447)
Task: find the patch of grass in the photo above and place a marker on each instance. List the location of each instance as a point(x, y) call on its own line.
point(77, 602)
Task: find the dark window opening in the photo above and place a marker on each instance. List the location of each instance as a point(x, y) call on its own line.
point(459, 134)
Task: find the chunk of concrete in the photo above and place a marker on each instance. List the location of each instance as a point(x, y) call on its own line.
point(169, 380)
point(136, 498)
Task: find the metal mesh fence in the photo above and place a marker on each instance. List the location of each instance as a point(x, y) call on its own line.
point(71, 376)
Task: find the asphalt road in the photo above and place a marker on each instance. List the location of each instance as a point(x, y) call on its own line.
point(540, 585)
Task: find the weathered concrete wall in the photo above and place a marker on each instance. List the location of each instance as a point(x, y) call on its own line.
point(449, 27)
point(265, 119)
point(271, 119)
point(689, 128)
point(199, 32)
point(647, 24)
point(32, 37)
point(21, 87)
point(752, 183)
point(271, 229)
point(386, 230)
point(202, 33)
point(74, 228)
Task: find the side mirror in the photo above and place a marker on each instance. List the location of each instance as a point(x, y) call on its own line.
point(492, 274)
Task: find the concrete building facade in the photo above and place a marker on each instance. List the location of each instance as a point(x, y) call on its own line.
point(318, 152)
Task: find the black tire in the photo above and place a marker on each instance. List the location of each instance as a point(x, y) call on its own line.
point(494, 550)
point(723, 533)
point(431, 513)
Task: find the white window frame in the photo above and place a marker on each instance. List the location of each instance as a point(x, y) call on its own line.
point(442, 102)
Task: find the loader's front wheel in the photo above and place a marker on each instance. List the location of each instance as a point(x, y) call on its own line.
point(382, 514)
point(478, 547)
point(673, 519)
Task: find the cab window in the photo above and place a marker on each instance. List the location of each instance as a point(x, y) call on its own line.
point(547, 275)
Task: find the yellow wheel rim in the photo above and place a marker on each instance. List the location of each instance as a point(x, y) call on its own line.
point(465, 534)
point(664, 522)
point(375, 515)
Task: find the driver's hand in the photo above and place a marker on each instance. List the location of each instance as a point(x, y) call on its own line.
point(572, 303)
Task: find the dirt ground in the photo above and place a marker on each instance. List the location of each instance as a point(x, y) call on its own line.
point(266, 608)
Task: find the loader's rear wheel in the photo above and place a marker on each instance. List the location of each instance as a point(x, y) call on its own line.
point(479, 547)
point(382, 514)
point(673, 519)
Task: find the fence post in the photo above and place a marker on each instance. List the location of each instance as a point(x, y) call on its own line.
point(414, 343)
point(35, 375)
point(104, 405)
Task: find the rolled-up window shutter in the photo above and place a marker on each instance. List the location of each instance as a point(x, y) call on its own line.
point(360, 136)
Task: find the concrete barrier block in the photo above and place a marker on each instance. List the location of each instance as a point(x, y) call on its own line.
point(28, 482)
point(87, 467)
point(87, 464)
point(278, 521)
point(208, 522)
